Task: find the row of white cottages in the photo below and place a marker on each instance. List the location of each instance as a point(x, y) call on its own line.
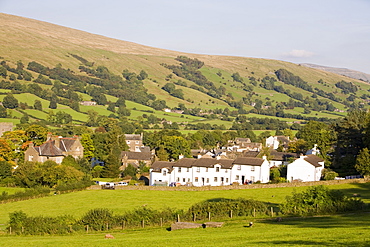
point(218, 172)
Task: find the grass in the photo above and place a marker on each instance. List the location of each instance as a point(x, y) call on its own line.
point(341, 230)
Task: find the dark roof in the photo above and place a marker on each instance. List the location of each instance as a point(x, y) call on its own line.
point(185, 162)
point(240, 139)
point(248, 161)
point(133, 137)
point(313, 160)
point(210, 162)
point(49, 149)
point(158, 165)
point(66, 144)
point(250, 153)
point(282, 155)
point(136, 155)
point(283, 139)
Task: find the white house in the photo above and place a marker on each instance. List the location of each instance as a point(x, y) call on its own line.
point(210, 171)
point(307, 168)
point(275, 141)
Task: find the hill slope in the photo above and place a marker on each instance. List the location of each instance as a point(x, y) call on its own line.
point(47, 44)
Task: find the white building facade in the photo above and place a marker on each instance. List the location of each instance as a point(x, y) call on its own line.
point(210, 171)
point(307, 168)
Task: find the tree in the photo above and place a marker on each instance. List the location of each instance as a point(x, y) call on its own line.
point(88, 146)
point(53, 103)
point(5, 170)
point(6, 151)
point(37, 105)
point(3, 112)
point(37, 134)
point(363, 162)
point(10, 101)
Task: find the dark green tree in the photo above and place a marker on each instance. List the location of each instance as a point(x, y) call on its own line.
point(10, 101)
point(37, 105)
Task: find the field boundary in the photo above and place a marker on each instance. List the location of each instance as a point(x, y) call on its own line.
point(234, 187)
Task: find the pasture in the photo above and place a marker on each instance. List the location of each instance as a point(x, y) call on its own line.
point(345, 230)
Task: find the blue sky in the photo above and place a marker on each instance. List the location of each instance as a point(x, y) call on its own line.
point(326, 32)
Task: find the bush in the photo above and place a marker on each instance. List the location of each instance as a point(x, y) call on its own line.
point(97, 219)
point(320, 200)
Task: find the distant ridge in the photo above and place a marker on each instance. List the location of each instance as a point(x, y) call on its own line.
point(341, 71)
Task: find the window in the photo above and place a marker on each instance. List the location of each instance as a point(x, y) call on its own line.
point(207, 169)
point(217, 169)
point(207, 180)
point(226, 171)
point(188, 169)
point(252, 168)
point(179, 170)
point(198, 169)
point(227, 180)
point(164, 172)
point(137, 142)
point(128, 142)
point(237, 177)
point(215, 179)
point(183, 180)
point(188, 180)
point(196, 179)
point(30, 158)
point(178, 179)
point(239, 167)
point(252, 178)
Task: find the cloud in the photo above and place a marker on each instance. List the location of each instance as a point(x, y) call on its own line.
point(299, 53)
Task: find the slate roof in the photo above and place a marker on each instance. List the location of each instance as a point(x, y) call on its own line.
point(136, 155)
point(282, 156)
point(134, 137)
point(248, 161)
point(49, 149)
point(210, 162)
point(250, 153)
point(313, 160)
point(158, 165)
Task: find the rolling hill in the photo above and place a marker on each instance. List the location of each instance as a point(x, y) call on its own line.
point(202, 84)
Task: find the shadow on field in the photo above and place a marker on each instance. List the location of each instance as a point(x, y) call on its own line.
point(350, 220)
point(362, 191)
point(310, 243)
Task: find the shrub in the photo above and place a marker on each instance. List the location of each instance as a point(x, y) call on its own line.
point(98, 218)
point(319, 200)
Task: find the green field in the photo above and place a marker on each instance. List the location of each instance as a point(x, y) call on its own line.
point(338, 230)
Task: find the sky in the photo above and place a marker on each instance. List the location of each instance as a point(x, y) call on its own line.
point(332, 33)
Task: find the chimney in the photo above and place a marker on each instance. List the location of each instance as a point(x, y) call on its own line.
point(218, 157)
point(31, 145)
point(181, 156)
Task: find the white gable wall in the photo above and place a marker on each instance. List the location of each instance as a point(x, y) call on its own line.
point(303, 170)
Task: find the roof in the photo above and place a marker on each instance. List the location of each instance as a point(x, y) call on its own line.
point(313, 160)
point(211, 162)
point(282, 155)
point(49, 149)
point(248, 161)
point(250, 153)
point(66, 144)
point(136, 155)
point(240, 139)
point(133, 137)
point(283, 139)
point(158, 165)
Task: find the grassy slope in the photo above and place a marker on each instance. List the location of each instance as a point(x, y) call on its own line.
point(28, 40)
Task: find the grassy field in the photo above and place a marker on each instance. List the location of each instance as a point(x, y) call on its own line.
point(341, 230)
point(338, 230)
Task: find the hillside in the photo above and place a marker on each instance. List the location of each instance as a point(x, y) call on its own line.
point(341, 71)
point(244, 85)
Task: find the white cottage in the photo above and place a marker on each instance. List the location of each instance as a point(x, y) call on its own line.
point(210, 171)
point(307, 168)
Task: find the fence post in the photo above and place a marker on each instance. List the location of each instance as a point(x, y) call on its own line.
point(194, 217)
point(87, 228)
point(272, 212)
point(123, 225)
point(178, 218)
point(254, 212)
point(10, 230)
point(231, 214)
point(106, 226)
point(161, 221)
point(22, 229)
point(143, 223)
point(209, 215)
